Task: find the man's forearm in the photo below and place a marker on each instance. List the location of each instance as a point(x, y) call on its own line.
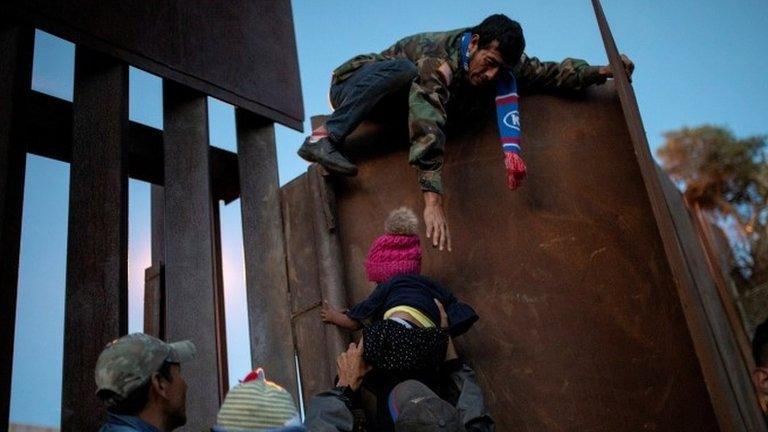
point(431, 181)
point(432, 199)
point(471, 404)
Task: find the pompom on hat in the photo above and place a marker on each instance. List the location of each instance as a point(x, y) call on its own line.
point(257, 405)
point(398, 251)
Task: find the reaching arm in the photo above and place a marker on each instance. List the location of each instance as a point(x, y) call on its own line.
point(331, 410)
point(470, 404)
point(536, 76)
point(354, 316)
point(329, 315)
point(426, 118)
point(570, 74)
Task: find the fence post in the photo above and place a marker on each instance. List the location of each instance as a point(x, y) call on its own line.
point(96, 310)
point(269, 311)
point(189, 248)
point(16, 44)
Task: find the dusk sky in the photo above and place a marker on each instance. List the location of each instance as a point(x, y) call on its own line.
point(697, 61)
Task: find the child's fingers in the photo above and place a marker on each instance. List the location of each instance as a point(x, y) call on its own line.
point(359, 347)
point(439, 306)
point(443, 315)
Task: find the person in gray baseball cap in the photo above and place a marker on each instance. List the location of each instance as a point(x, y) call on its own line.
point(138, 377)
point(416, 408)
point(411, 405)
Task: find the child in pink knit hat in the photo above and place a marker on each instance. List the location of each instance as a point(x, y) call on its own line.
point(398, 251)
point(404, 336)
point(403, 330)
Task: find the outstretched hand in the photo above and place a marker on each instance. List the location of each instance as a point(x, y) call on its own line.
point(435, 221)
point(351, 366)
point(328, 314)
point(629, 67)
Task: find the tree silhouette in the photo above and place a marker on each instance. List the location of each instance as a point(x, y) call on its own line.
point(727, 177)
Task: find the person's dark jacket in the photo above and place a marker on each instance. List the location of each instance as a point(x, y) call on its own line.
point(331, 411)
point(126, 423)
point(418, 292)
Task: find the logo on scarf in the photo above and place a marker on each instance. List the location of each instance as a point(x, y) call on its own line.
point(512, 120)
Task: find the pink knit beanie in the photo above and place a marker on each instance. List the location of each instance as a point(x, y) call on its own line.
point(396, 252)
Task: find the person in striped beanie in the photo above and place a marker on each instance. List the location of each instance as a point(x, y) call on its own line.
point(258, 405)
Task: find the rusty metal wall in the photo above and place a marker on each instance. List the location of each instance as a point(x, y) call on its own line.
point(581, 325)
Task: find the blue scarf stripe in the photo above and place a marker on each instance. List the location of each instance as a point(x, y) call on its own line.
point(511, 148)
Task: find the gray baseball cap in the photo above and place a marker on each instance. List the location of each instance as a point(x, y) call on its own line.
point(416, 408)
point(128, 363)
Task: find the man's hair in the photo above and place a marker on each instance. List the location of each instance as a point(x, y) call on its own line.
point(507, 32)
point(760, 344)
point(138, 399)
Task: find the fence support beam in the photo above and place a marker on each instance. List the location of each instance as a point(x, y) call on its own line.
point(189, 247)
point(218, 281)
point(729, 385)
point(269, 311)
point(97, 244)
point(330, 265)
point(16, 44)
point(154, 276)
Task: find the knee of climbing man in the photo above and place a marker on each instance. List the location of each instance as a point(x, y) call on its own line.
point(404, 69)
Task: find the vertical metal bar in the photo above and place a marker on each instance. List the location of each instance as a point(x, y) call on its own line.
point(221, 324)
point(329, 261)
point(153, 301)
point(157, 198)
point(712, 342)
point(97, 243)
point(269, 311)
point(306, 300)
point(189, 245)
point(154, 276)
point(16, 44)
point(707, 238)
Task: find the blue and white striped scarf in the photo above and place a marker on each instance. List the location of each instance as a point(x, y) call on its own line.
point(507, 118)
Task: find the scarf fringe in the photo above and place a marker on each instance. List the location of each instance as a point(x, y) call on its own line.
point(516, 169)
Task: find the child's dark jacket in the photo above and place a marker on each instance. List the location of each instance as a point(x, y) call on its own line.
point(418, 292)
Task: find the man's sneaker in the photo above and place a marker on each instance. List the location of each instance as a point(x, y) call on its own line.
point(324, 152)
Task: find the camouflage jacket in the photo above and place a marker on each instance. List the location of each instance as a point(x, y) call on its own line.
point(430, 95)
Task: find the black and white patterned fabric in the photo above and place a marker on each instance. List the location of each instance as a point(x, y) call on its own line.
point(389, 345)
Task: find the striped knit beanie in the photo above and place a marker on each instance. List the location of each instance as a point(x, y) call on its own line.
point(396, 252)
point(257, 405)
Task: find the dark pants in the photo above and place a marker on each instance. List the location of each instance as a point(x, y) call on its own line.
point(355, 97)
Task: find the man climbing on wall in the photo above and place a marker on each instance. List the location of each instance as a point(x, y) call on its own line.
point(443, 70)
